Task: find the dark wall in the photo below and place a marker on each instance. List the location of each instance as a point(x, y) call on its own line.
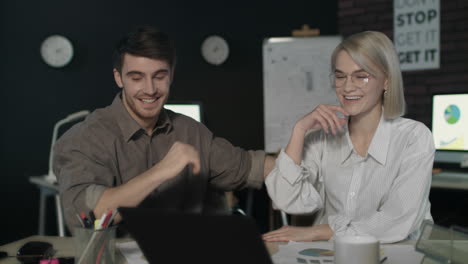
point(452, 76)
point(35, 96)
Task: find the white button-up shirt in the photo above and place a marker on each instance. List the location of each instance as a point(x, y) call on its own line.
point(384, 194)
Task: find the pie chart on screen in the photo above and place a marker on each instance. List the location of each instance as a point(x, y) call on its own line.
point(452, 114)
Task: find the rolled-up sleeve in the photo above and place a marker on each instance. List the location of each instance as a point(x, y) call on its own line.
point(234, 168)
point(292, 188)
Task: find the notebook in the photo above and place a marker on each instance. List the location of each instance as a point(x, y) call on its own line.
point(169, 237)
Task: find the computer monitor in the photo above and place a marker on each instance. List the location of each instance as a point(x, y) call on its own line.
point(450, 126)
point(192, 109)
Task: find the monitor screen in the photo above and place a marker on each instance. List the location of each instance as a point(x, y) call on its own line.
point(191, 109)
point(450, 126)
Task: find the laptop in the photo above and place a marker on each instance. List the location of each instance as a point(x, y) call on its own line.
point(169, 237)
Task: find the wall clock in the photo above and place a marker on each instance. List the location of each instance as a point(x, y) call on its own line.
point(57, 51)
point(215, 50)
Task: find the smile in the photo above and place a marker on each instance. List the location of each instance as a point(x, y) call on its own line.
point(148, 100)
point(353, 97)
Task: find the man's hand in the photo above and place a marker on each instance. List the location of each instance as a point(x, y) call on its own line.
point(179, 156)
point(134, 191)
point(296, 233)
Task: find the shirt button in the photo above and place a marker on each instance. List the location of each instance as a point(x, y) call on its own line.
point(352, 194)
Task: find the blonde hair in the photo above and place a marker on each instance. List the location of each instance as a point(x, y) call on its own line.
point(371, 50)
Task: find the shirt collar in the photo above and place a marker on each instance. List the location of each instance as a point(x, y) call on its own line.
point(378, 148)
point(347, 146)
point(128, 125)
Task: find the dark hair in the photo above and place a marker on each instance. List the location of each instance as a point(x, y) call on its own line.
point(145, 41)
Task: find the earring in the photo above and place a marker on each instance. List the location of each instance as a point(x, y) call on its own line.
point(385, 93)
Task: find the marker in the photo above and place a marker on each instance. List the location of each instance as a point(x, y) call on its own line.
point(103, 218)
point(111, 220)
point(92, 217)
point(106, 220)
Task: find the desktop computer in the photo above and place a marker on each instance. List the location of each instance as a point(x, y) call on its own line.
point(191, 109)
point(450, 132)
point(450, 127)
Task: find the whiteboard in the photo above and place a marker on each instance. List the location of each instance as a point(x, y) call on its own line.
point(296, 78)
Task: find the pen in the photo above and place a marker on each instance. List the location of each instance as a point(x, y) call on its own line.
point(92, 217)
point(111, 221)
point(86, 221)
point(80, 220)
point(383, 260)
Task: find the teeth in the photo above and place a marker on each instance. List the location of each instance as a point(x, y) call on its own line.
point(148, 100)
point(353, 97)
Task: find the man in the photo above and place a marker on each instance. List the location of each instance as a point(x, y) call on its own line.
point(136, 153)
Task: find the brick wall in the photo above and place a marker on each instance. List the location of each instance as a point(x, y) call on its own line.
point(359, 15)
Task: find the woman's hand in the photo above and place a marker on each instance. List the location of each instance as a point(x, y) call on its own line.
point(323, 117)
point(296, 233)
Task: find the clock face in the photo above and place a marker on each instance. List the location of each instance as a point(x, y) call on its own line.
point(215, 50)
point(57, 51)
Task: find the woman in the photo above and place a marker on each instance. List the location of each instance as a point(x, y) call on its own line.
point(363, 167)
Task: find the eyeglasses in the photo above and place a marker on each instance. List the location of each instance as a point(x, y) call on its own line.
point(360, 79)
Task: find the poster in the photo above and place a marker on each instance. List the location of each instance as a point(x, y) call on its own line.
point(416, 26)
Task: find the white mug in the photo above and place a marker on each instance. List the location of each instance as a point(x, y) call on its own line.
point(357, 250)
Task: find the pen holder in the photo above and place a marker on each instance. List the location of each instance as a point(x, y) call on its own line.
point(94, 246)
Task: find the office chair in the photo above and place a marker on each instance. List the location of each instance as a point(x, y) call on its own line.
point(47, 184)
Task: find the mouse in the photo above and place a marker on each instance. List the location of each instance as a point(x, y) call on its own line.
point(34, 251)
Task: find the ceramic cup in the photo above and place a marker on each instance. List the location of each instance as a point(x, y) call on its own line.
point(357, 250)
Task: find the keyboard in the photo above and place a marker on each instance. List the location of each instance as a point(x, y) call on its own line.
point(450, 176)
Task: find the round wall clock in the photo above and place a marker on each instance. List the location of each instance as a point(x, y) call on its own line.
point(215, 50)
point(57, 51)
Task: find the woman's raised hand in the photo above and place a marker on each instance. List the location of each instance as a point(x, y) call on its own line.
point(323, 117)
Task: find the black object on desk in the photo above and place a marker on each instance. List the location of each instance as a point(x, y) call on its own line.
point(34, 251)
point(206, 238)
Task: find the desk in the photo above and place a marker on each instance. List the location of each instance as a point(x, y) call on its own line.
point(48, 189)
point(64, 247)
